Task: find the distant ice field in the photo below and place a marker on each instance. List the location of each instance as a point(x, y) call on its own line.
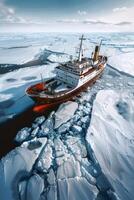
point(19, 48)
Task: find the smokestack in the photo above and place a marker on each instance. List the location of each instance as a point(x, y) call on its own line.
point(96, 53)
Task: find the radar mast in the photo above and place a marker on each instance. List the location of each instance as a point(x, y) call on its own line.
point(80, 49)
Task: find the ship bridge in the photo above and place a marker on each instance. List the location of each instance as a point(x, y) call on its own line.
point(71, 72)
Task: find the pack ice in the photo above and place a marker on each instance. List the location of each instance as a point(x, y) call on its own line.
point(84, 150)
point(54, 160)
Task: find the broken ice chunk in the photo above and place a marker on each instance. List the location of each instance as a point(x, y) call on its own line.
point(77, 148)
point(79, 123)
point(51, 177)
point(88, 105)
point(80, 107)
point(47, 126)
point(60, 152)
point(59, 145)
point(86, 110)
point(64, 128)
point(14, 167)
point(69, 169)
point(80, 113)
point(45, 159)
point(78, 187)
point(76, 118)
point(85, 119)
point(34, 125)
point(22, 135)
point(65, 112)
point(35, 186)
point(76, 129)
point(88, 176)
point(34, 132)
point(39, 120)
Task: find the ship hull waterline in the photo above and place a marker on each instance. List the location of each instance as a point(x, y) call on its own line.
point(43, 104)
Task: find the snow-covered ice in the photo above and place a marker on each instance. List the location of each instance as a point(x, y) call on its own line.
point(58, 161)
point(84, 150)
point(123, 62)
point(22, 135)
point(111, 135)
point(65, 112)
point(19, 55)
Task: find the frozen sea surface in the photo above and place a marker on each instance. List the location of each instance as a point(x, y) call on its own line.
point(89, 154)
point(82, 151)
point(111, 136)
point(62, 164)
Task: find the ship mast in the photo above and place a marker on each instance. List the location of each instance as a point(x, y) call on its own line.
point(100, 45)
point(80, 49)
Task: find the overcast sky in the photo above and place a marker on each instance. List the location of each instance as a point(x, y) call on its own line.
point(67, 15)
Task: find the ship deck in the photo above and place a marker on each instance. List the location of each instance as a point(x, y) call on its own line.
point(55, 88)
point(50, 89)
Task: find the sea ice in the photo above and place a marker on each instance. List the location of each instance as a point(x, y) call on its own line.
point(48, 125)
point(65, 112)
point(123, 62)
point(79, 187)
point(51, 177)
point(35, 186)
point(34, 132)
point(64, 128)
point(45, 160)
point(39, 120)
point(13, 168)
point(111, 137)
point(65, 166)
point(77, 129)
point(22, 135)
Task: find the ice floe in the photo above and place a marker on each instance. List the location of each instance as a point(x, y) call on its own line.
point(65, 112)
point(111, 137)
point(123, 62)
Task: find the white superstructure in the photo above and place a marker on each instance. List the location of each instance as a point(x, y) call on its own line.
point(72, 72)
point(71, 78)
point(78, 72)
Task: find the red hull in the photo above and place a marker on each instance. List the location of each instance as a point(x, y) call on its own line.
point(47, 103)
